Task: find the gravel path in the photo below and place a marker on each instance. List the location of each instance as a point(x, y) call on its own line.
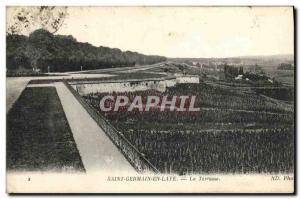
point(15, 85)
point(14, 88)
point(97, 152)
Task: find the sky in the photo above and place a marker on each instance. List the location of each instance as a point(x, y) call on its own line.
point(185, 31)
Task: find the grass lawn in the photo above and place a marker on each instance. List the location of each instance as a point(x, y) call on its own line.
point(38, 135)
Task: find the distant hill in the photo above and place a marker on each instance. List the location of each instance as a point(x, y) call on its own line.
point(270, 60)
point(59, 53)
point(279, 56)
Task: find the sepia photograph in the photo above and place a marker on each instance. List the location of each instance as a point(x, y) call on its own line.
point(150, 99)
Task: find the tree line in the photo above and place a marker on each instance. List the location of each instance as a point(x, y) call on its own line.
point(44, 51)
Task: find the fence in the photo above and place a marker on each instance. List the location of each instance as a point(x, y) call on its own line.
point(131, 153)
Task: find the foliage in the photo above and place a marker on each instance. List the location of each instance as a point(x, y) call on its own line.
point(285, 66)
point(58, 53)
point(232, 71)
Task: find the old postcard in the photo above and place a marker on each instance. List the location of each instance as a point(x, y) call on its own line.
point(150, 99)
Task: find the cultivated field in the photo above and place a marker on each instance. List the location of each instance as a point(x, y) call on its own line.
point(234, 131)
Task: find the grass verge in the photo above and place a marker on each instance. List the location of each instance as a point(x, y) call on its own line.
point(38, 135)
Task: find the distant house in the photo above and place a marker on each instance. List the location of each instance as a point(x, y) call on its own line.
point(187, 79)
point(37, 70)
point(239, 77)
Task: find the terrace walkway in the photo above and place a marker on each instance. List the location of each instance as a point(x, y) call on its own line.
point(97, 152)
point(15, 85)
